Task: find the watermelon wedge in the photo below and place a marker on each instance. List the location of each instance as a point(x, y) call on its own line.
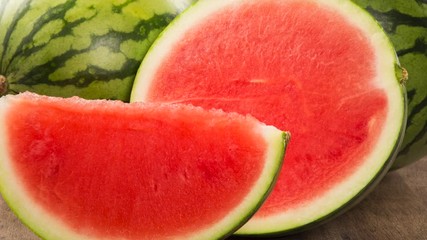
point(322, 68)
point(81, 169)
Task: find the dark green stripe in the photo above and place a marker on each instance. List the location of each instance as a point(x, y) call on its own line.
point(420, 46)
point(142, 30)
point(118, 8)
point(393, 18)
point(57, 12)
point(40, 74)
point(406, 149)
point(23, 9)
point(411, 94)
point(416, 110)
point(66, 30)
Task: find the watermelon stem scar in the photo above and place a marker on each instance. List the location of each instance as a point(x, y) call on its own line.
point(404, 76)
point(3, 85)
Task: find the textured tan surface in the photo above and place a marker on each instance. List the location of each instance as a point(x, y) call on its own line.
point(396, 209)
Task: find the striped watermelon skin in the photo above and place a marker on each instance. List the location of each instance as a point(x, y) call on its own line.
point(87, 48)
point(405, 21)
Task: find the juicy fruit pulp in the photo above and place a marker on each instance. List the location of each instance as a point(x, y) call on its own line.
point(87, 48)
point(307, 65)
point(79, 169)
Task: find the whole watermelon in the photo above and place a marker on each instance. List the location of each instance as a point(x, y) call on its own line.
point(88, 48)
point(405, 21)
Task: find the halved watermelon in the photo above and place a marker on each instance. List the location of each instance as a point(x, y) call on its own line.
point(81, 169)
point(322, 68)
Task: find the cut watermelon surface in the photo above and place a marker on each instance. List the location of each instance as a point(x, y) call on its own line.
point(80, 169)
point(324, 69)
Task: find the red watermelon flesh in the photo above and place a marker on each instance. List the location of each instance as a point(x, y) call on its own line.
point(108, 170)
point(296, 64)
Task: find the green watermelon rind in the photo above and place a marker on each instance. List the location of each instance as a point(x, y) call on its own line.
point(390, 144)
point(46, 226)
point(85, 48)
point(405, 22)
